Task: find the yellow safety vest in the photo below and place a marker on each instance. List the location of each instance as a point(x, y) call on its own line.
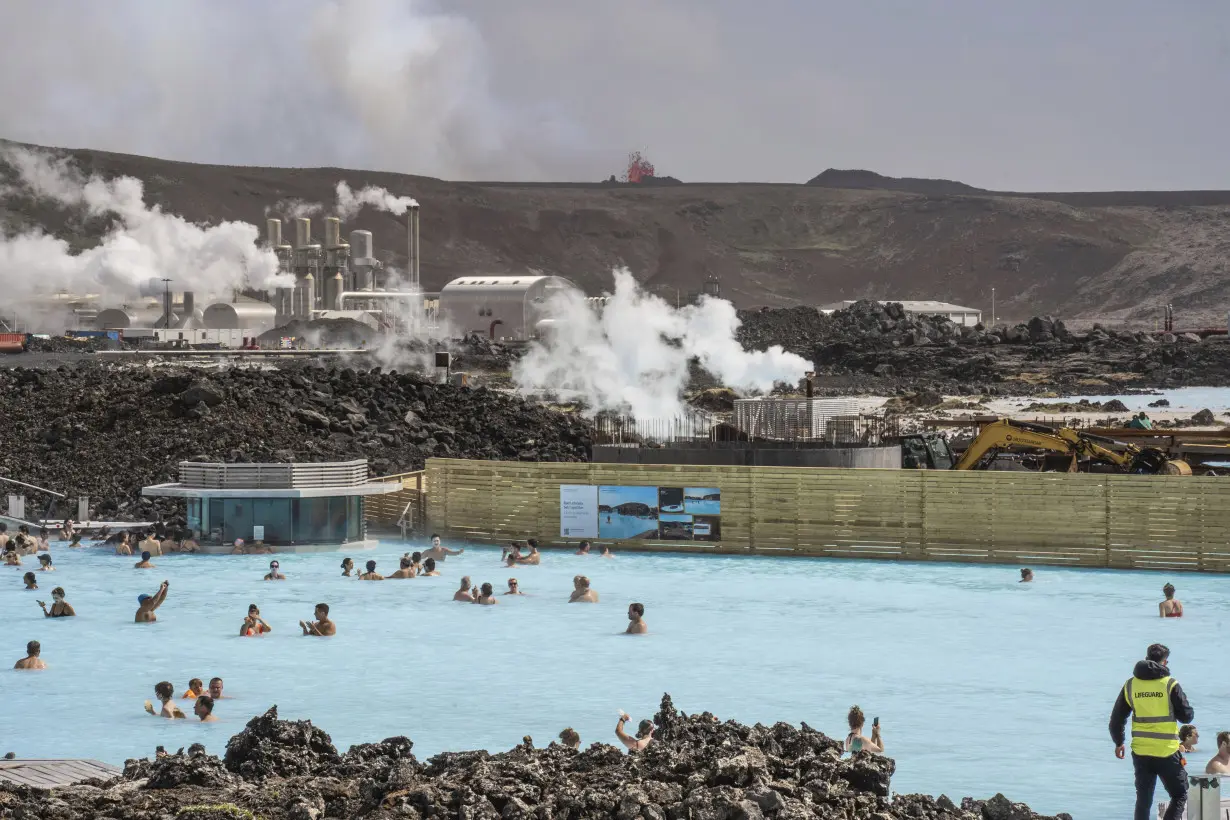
point(1155, 732)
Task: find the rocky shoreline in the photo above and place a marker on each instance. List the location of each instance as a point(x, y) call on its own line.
point(697, 768)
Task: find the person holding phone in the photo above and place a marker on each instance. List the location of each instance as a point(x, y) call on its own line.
point(856, 741)
point(644, 733)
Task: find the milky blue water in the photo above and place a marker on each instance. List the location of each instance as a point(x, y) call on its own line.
point(1190, 399)
point(982, 684)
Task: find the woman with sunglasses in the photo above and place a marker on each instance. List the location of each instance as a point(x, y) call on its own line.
point(274, 574)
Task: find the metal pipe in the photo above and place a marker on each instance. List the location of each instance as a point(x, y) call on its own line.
point(412, 245)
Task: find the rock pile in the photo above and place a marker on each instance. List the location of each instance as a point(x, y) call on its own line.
point(697, 768)
point(106, 431)
point(887, 349)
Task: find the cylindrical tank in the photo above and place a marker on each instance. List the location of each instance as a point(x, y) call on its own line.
point(303, 232)
point(123, 318)
point(273, 232)
point(361, 244)
point(307, 302)
point(334, 287)
point(245, 315)
point(333, 231)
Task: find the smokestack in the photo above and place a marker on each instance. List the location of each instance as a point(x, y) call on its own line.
point(303, 231)
point(333, 232)
point(273, 232)
point(189, 303)
point(308, 304)
point(412, 249)
point(361, 245)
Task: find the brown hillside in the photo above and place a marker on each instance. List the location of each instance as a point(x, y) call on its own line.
point(768, 244)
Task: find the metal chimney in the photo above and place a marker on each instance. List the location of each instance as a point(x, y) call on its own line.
point(303, 231)
point(412, 249)
point(273, 232)
point(333, 232)
point(189, 303)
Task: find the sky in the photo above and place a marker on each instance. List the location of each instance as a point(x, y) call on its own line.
point(1048, 95)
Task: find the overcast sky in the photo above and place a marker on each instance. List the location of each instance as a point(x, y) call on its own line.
point(1034, 95)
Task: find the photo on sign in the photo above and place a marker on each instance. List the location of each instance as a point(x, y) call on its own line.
point(675, 527)
point(706, 528)
point(670, 499)
point(627, 512)
point(702, 500)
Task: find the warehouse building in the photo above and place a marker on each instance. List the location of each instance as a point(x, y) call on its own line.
point(499, 307)
point(954, 313)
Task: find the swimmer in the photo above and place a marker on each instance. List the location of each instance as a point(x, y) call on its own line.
point(148, 603)
point(1220, 762)
point(31, 580)
point(636, 620)
point(144, 563)
point(465, 594)
point(169, 545)
point(123, 547)
point(347, 567)
point(322, 626)
point(570, 738)
point(371, 574)
point(583, 549)
point(196, 688)
point(512, 556)
point(438, 551)
point(1027, 575)
point(59, 607)
point(582, 594)
point(188, 542)
point(486, 596)
point(44, 562)
point(606, 552)
point(855, 742)
point(150, 544)
point(513, 587)
point(164, 691)
point(204, 709)
point(534, 558)
point(1172, 607)
point(67, 531)
point(75, 542)
point(215, 688)
point(259, 548)
point(253, 625)
point(11, 557)
point(1189, 736)
point(4, 536)
point(429, 568)
point(273, 574)
point(44, 540)
point(644, 734)
point(32, 659)
point(238, 548)
point(405, 570)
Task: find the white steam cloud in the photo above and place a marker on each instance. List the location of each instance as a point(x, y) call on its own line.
point(142, 244)
point(350, 202)
point(632, 356)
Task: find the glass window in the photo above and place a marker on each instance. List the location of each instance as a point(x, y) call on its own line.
point(354, 518)
point(238, 524)
point(216, 521)
point(312, 520)
point(274, 514)
point(194, 514)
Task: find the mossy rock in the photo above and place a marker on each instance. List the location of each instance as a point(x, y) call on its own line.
point(220, 811)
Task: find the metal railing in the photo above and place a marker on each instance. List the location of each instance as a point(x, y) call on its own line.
point(218, 476)
point(405, 510)
point(853, 429)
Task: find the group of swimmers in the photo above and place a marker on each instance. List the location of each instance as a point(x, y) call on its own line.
point(203, 701)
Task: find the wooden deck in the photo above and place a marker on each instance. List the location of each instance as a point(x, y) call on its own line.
point(48, 774)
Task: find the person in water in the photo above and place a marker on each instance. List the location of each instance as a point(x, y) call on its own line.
point(44, 563)
point(32, 660)
point(371, 574)
point(438, 551)
point(59, 607)
point(322, 626)
point(347, 566)
point(606, 552)
point(144, 563)
point(1189, 736)
point(404, 570)
point(535, 557)
point(583, 548)
point(1172, 607)
point(570, 738)
point(429, 568)
point(513, 587)
point(122, 547)
point(196, 688)
point(465, 593)
point(636, 620)
point(12, 558)
point(486, 596)
point(75, 542)
point(204, 709)
point(146, 604)
point(644, 734)
point(1027, 575)
point(274, 574)
point(856, 741)
point(187, 543)
point(254, 625)
point(1220, 762)
point(31, 580)
point(513, 556)
point(164, 692)
point(582, 593)
point(215, 688)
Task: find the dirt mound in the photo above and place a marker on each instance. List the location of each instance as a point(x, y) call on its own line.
point(697, 767)
point(834, 178)
point(106, 431)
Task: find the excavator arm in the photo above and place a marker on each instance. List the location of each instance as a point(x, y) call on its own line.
point(1007, 434)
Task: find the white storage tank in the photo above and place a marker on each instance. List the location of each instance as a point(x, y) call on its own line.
point(248, 314)
point(124, 318)
point(499, 307)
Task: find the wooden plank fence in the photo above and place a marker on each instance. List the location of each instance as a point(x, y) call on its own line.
point(1067, 519)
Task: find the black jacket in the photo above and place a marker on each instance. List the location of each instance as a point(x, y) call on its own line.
point(1148, 670)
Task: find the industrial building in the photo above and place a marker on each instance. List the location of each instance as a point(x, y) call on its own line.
point(954, 313)
point(500, 307)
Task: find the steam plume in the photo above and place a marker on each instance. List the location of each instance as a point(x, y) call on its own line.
point(633, 355)
point(349, 202)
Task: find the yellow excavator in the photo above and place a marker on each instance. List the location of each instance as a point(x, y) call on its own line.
point(1007, 434)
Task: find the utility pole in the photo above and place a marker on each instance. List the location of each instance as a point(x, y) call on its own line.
point(166, 303)
point(992, 307)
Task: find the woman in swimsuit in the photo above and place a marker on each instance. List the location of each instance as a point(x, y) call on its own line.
point(254, 625)
point(1172, 607)
point(347, 566)
point(855, 741)
point(31, 580)
point(59, 607)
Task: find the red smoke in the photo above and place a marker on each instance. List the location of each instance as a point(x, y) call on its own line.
point(638, 168)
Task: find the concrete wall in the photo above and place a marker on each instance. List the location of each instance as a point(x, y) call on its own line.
point(758, 456)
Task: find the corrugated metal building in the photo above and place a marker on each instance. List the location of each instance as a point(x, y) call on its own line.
point(499, 307)
point(955, 313)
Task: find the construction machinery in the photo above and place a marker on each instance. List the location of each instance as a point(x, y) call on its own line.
point(1075, 446)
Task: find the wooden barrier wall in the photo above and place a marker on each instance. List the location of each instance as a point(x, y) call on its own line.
point(1087, 520)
